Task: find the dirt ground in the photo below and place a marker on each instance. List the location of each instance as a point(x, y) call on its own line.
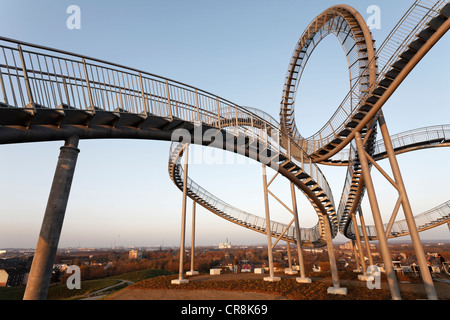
point(442, 290)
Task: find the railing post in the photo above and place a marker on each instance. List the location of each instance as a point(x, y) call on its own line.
point(25, 78)
point(5, 98)
point(91, 101)
point(144, 101)
point(66, 91)
point(168, 100)
point(253, 128)
point(218, 115)
point(237, 122)
point(197, 105)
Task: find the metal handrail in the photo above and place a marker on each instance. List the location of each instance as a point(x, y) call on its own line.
point(424, 221)
point(36, 77)
point(404, 140)
point(229, 212)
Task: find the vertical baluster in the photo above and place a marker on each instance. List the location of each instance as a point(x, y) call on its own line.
point(168, 101)
point(25, 77)
point(91, 101)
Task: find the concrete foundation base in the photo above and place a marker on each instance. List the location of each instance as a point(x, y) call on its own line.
point(290, 271)
point(363, 277)
point(192, 273)
point(333, 290)
point(258, 270)
point(272, 279)
point(179, 281)
point(214, 271)
point(303, 280)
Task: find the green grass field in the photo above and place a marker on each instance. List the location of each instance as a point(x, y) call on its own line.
point(59, 291)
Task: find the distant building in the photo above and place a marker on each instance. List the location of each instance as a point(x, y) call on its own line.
point(12, 277)
point(134, 255)
point(346, 246)
point(224, 245)
point(3, 277)
point(349, 246)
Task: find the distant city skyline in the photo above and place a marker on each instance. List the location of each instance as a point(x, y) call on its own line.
point(239, 51)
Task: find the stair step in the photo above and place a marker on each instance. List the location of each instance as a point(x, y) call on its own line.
point(372, 99)
point(417, 44)
point(425, 34)
point(408, 54)
point(400, 64)
point(386, 82)
point(445, 11)
point(393, 73)
point(379, 91)
point(437, 22)
point(359, 116)
point(366, 107)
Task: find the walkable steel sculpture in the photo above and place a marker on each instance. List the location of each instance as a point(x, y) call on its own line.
point(49, 94)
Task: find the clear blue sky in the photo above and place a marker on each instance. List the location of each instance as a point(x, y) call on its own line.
point(239, 50)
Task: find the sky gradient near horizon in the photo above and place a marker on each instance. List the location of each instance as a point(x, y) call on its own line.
point(239, 50)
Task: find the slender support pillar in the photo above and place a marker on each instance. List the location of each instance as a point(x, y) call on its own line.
point(288, 249)
point(362, 277)
point(417, 244)
point(355, 252)
point(366, 238)
point(301, 261)
point(384, 249)
point(44, 257)
point(192, 272)
point(289, 270)
point(180, 279)
point(336, 288)
point(271, 276)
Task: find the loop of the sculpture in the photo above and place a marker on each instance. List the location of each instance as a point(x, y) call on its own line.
point(355, 37)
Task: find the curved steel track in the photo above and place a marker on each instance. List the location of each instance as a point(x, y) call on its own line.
point(49, 94)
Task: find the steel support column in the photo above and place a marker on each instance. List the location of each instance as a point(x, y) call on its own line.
point(384, 249)
point(365, 236)
point(44, 257)
point(409, 217)
point(301, 262)
point(192, 272)
point(271, 276)
point(180, 279)
point(336, 288)
point(358, 268)
point(359, 245)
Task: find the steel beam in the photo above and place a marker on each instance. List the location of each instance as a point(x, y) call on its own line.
point(392, 279)
point(180, 279)
point(417, 244)
point(192, 272)
point(301, 262)
point(271, 276)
